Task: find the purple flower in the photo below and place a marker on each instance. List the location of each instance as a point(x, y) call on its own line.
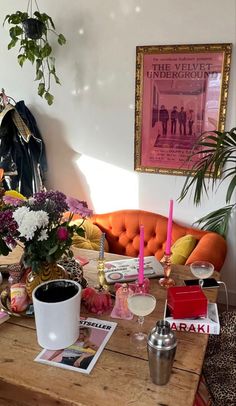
point(58, 199)
point(8, 225)
point(78, 207)
point(62, 233)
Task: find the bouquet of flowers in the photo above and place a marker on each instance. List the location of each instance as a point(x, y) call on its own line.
point(38, 223)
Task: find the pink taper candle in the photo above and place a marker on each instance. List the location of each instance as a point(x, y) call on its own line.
point(169, 229)
point(141, 257)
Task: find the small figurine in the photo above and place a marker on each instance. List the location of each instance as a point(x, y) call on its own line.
point(120, 309)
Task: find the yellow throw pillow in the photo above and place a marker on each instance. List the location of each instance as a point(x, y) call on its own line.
point(182, 248)
point(91, 239)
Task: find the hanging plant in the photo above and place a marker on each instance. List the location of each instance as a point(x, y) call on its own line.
point(30, 31)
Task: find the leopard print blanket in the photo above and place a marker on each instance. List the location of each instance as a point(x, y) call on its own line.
point(219, 367)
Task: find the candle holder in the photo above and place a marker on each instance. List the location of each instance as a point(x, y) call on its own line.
point(166, 282)
point(101, 275)
point(141, 288)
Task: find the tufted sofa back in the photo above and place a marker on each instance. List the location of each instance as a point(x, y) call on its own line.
point(122, 233)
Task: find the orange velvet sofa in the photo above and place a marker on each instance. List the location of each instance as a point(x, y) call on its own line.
point(122, 233)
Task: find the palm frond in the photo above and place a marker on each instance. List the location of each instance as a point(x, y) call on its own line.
point(212, 151)
point(217, 221)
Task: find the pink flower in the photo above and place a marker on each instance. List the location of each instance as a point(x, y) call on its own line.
point(13, 201)
point(78, 207)
point(96, 302)
point(62, 233)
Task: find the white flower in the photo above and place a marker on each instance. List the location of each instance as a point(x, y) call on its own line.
point(29, 221)
point(20, 213)
point(31, 201)
point(43, 235)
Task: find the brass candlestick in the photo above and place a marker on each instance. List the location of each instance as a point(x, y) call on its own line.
point(166, 282)
point(101, 275)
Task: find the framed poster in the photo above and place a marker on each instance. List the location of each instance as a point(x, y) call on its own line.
point(181, 91)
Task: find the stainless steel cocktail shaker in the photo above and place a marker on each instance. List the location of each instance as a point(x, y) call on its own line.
point(161, 347)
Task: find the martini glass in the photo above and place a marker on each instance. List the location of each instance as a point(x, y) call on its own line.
point(141, 304)
point(202, 270)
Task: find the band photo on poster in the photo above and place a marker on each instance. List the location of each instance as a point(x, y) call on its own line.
point(181, 92)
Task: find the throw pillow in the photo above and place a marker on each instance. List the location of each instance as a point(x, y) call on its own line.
point(91, 239)
point(182, 248)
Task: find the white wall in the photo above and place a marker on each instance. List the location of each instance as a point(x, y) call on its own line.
point(89, 130)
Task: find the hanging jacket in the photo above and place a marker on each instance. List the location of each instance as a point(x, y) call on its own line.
point(22, 150)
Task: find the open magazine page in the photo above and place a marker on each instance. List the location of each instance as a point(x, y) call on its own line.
point(126, 270)
point(83, 354)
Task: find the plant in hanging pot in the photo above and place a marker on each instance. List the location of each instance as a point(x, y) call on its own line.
point(31, 33)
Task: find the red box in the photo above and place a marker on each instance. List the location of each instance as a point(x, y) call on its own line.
point(186, 302)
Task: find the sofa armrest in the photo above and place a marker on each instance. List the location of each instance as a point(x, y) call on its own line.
point(212, 248)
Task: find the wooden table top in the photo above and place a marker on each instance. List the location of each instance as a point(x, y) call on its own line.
point(121, 374)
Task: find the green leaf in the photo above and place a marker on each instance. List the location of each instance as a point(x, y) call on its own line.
point(61, 39)
point(56, 78)
point(53, 249)
point(46, 51)
point(12, 43)
point(38, 64)
point(21, 59)
point(15, 18)
point(217, 221)
point(4, 250)
point(38, 15)
point(15, 31)
point(39, 75)
point(49, 97)
point(30, 56)
point(231, 188)
point(6, 18)
point(41, 89)
point(37, 50)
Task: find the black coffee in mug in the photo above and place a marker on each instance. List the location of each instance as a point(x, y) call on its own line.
point(56, 291)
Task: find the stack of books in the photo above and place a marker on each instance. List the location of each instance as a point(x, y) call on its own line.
point(205, 325)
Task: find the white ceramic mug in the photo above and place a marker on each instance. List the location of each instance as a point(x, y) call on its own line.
point(57, 313)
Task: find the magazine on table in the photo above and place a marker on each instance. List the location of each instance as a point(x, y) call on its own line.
point(84, 353)
point(125, 270)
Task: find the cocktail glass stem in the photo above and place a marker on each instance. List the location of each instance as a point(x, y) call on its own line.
point(140, 322)
point(166, 282)
point(201, 282)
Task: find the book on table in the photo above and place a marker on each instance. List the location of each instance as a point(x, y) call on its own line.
point(126, 270)
point(205, 325)
point(84, 353)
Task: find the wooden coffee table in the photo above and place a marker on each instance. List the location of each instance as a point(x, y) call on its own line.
point(121, 374)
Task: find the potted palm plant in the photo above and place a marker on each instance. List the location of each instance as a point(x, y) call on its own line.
point(216, 153)
point(30, 31)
